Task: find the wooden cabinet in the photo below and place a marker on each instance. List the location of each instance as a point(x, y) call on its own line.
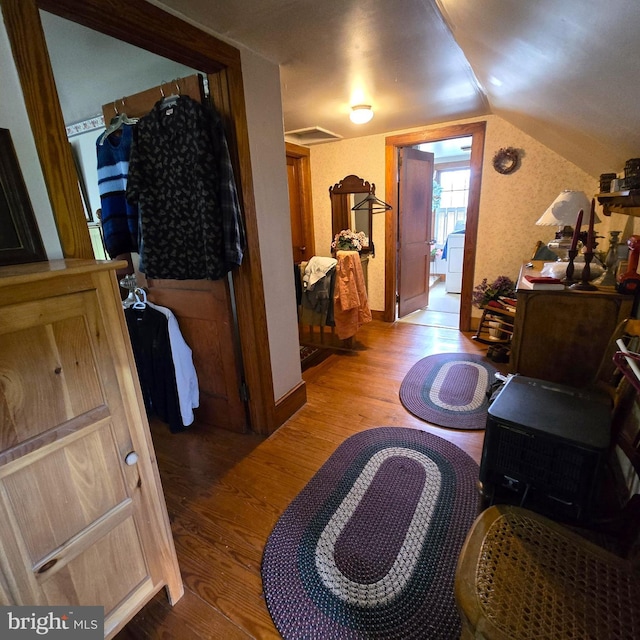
point(561, 336)
point(82, 520)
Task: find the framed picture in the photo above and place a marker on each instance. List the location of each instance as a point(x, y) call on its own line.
point(20, 239)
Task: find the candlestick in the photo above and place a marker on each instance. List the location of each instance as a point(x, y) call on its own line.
point(576, 232)
point(583, 284)
point(569, 279)
point(590, 234)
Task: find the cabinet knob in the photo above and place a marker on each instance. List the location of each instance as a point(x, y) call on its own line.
point(131, 458)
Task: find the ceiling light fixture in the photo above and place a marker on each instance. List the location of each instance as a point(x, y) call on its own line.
point(361, 113)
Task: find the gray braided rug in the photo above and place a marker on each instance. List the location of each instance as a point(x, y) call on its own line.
point(449, 390)
point(368, 549)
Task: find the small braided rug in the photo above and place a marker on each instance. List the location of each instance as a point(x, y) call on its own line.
point(369, 548)
point(449, 390)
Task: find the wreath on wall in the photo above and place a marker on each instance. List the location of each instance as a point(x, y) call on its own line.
point(506, 160)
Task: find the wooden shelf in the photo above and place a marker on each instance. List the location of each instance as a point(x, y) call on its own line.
point(496, 326)
point(627, 202)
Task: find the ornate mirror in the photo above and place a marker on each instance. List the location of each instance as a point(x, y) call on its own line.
point(350, 192)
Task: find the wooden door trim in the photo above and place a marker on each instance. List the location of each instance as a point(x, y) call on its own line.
point(303, 157)
point(477, 131)
point(157, 31)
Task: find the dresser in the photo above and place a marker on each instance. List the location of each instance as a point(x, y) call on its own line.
point(82, 515)
point(561, 336)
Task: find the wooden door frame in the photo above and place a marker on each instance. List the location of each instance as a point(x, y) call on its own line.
point(303, 158)
point(477, 131)
point(149, 27)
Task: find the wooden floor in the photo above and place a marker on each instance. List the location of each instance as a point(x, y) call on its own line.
point(225, 491)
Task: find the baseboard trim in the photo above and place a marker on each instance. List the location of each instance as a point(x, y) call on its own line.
point(290, 403)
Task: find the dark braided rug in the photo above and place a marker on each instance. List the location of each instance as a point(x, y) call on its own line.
point(369, 548)
point(449, 390)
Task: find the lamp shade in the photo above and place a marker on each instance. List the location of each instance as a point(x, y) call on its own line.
point(564, 209)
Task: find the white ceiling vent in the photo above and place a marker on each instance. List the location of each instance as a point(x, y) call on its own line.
point(310, 135)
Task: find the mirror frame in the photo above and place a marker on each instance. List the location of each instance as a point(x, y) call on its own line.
point(21, 242)
point(155, 30)
point(341, 206)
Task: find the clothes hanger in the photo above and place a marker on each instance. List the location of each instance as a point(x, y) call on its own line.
point(116, 122)
point(376, 205)
point(141, 299)
point(169, 101)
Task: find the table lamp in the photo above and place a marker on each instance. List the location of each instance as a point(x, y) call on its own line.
point(563, 213)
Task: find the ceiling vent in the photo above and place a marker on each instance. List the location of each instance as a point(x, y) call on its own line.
point(310, 135)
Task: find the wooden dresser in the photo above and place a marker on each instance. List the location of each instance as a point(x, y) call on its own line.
point(561, 336)
point(82, 515)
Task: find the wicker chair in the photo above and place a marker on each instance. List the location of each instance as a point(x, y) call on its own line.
point(521, 576)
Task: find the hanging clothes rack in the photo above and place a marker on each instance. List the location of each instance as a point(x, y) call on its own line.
point(139, 104)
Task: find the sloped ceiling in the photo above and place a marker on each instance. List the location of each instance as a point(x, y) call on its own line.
point(565, 72)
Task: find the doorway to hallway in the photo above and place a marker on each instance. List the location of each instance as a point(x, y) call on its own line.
point(443, 309)
point(476, 132)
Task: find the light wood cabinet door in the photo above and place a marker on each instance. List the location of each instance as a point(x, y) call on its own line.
point(82, 520)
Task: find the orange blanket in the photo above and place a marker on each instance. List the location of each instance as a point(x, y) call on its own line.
point(350, 304)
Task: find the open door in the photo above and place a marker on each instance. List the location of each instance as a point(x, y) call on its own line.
point(204, 308)
point(415, 192)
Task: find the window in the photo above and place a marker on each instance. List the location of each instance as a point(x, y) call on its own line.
point(450, 212)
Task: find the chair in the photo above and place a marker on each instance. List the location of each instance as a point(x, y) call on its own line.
point(521, 576)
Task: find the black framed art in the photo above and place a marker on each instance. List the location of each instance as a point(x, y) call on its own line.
point(20, 239)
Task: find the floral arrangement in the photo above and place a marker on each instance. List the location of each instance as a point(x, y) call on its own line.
point(484, 292)
point(348, 240)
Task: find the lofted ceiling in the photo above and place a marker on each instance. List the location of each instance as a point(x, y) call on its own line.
point(564, 71)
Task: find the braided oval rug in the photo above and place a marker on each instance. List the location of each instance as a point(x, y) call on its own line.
point(449, 390)
point(369, 548)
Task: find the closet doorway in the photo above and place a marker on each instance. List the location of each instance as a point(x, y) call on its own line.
point(155, 30)
point(476, 131)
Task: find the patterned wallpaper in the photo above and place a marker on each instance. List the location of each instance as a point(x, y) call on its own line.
point(509, 204)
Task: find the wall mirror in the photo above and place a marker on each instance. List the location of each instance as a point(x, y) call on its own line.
point(350, 192)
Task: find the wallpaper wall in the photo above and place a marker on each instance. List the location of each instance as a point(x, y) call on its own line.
point(509, 204)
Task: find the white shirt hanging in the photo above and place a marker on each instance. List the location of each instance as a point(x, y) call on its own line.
point(186, 377)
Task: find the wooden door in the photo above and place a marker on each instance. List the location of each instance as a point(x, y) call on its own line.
point(82, 521)
point(204, 312)
point(203, 308)
point(414, 229)
point(299, 179)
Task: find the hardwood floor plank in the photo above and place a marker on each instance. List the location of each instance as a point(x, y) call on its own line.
point(225, 491)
